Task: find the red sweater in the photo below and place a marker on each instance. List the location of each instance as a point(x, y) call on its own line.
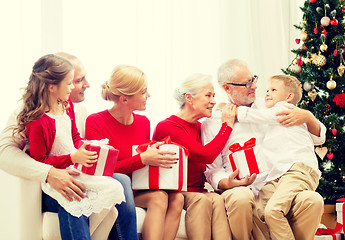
point(122, 137)
point(41, 135)
point(189, 135)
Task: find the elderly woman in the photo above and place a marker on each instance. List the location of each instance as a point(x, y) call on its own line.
point(206, 216)
point(127, 89)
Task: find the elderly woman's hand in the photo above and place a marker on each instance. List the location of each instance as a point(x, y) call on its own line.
point(229, 113)
point(156, 157)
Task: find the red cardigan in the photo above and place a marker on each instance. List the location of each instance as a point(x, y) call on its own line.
point(41, 135)
point(122, 137)
point(189, 135)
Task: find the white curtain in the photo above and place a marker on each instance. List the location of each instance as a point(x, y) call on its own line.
point(167, 39)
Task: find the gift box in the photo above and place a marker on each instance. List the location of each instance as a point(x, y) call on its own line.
point(107, 157)
point(340, 208)
point(336, 236)
point(243, 158)
point(153, 177)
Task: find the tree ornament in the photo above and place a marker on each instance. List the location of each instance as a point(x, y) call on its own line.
point(343, 8)
point(303, 35)
point(312, 1)
point(319, 10)
point(299, 61)
point(297, 40)
point(335, 53)
point(341, 69)
point(334, 22)
point(312, 95)
point(320, 60)
point(307, 86)
point(331, 84)
point(334, 131)
point(328, 108)
point(321, 152)
point(296, 68)
point(339, 100)
point(330, 156)
point(325, 21)
point(323, 47)
point(306, 60)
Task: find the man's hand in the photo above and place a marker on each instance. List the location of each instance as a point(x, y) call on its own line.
point(232, 181)
point(296, 116)
point(63, 182)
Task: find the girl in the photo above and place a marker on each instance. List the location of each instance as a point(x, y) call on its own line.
point(127, 89)
point(49, 125)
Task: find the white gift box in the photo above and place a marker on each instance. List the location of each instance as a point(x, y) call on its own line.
point(339, 208)
point(336, 236)
point(244, 159)
point(151, 177)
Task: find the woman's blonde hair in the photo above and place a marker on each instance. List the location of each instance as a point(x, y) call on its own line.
point(193, 85)
point(124, 80)
point(48, 70)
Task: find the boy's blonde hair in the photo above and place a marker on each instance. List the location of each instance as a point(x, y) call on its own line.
point(292, 84)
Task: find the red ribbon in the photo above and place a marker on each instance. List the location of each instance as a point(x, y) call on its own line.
point(249, 153)
point(154, 170)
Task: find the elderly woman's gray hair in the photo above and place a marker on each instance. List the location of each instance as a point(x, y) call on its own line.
point(193, 85)
point(227, 71)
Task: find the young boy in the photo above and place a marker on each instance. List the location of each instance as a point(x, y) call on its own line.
point(288, 152)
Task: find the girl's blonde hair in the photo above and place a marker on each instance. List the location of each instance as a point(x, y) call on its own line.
point(49, 69)
point(124, 80)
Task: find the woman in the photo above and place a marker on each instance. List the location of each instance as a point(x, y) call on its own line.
point(127, 89)
point(206, 214)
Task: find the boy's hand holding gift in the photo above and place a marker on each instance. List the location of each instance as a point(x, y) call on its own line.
point(100, 158)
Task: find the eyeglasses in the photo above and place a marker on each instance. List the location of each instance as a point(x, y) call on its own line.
point(247, 84)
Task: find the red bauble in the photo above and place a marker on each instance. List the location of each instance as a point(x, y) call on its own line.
point(335, 52)
point(343, 8)
point(315, 30)
point(297, 40)
point(334, 131)
point(334, 22)
point(312, 1)
point(339, 100)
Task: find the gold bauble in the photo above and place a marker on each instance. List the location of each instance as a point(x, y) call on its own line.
point(331, 84)
point(320, 60)
point(303, 36)
point(325, 21)
point(312, 94)
point(306, 60)
point(341, 70)
point(323, 47)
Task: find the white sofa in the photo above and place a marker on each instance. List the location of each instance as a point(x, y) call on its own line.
point(21, 212)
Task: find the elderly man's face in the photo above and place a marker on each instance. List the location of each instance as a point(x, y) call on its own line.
point(241, 95)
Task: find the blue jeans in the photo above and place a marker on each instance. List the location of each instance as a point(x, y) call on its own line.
point(71, 228)
point(125, 226)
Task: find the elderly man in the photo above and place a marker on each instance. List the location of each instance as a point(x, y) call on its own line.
point(238, 81)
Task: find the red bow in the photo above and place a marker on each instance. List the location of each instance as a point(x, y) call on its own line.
point(237, 147)
point(167, 140)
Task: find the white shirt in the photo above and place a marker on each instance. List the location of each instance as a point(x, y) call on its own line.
point(241, 133)
point(282, 146)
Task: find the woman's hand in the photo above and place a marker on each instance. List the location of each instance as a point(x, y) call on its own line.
point(84, 156)
point(156, 157)
point(229, 113)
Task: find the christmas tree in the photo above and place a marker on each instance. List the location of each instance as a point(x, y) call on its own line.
point(319, 65)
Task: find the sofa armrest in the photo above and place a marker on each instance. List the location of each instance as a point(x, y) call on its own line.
point(21, 208)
